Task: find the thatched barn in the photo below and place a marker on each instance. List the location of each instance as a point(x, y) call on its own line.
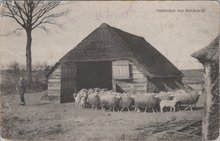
point(113, 59)
point(209, 57)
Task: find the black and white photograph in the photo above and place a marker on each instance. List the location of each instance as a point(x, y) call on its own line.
point(109, 70)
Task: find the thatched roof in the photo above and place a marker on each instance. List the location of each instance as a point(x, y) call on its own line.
point(108, 43)
point(209, 53)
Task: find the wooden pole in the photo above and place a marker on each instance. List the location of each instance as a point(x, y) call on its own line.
point(210, 122)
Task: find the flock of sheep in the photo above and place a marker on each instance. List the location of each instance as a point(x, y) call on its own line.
point(104, 99)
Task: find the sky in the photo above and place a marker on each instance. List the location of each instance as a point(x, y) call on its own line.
point(174, 34)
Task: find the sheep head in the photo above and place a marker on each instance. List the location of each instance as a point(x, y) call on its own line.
point(201, 90)
point(74, 95)
point(176, 99)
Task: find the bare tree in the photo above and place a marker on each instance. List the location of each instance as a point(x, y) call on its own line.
point(31, 14)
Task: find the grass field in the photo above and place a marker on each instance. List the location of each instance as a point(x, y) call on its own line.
point(39, 120)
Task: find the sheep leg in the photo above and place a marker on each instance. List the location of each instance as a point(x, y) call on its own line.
point(194, 105)
point(135, 109)
point(103, 109)
point(174, 109)
point(153, 110)
point(145, 110)
point(85, 105)
point(109, 109)
point(129, 109)
point(118, 110)
point(191, 107)
point(178, 107)
point(161, 109)
point(122, 109)
point(186, 108)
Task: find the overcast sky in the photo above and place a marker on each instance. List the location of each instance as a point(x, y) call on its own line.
point(175, 34)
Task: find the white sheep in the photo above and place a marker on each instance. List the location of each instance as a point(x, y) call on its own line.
point(168, 103)
point(188, 98)
point(94, 100)
point(109, 101)
point(145, 102)
point(79, 102)
point(82, 102)
point(77, 99)
point(83, 92)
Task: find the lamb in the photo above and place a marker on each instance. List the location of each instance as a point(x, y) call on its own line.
point(94, 100)
point(146, 102)
point(126, 102)
point(168, 103)
point(109, 101)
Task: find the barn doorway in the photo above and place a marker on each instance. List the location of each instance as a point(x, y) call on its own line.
point(94, 75)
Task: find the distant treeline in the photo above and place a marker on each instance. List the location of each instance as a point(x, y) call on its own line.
point(16, 67)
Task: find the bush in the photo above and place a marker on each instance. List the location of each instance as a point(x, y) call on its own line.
point(14, 66)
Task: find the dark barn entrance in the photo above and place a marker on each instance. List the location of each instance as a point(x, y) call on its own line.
point(94, 75)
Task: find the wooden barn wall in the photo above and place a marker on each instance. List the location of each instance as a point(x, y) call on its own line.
point(54, 82)
point(136, 81)
point(68, 81)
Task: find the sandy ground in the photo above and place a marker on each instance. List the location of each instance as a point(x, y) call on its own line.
point(41, 121)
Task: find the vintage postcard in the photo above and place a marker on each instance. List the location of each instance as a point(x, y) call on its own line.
point(109, 70)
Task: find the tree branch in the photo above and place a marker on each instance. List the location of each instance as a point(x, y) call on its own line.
point(12, 14)
point(32, 13)
point(20, 10)
point(45, 8)
point(49, 19)
point(42, 27)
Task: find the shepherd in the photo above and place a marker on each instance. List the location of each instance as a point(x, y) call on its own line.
point(21, 88)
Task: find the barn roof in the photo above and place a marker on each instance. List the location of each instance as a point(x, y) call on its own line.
point(209, 53)
point(108, 43)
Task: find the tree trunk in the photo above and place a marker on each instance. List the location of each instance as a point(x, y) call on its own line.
point(28, 57)
point(210, 125)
